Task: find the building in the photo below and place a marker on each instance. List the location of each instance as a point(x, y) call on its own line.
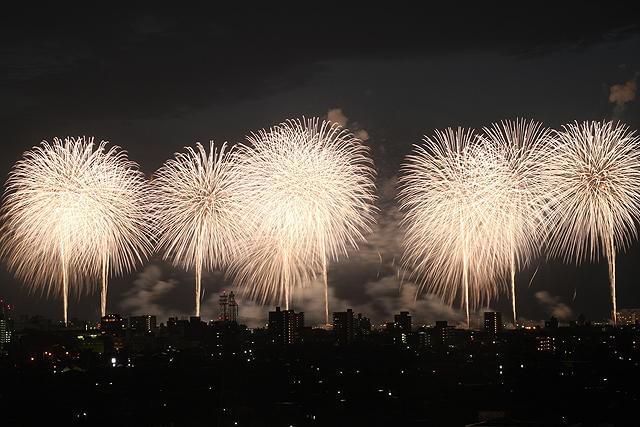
point(546, 344)
point(90, 341)
point(6, 325)
point(423, 338)
point(628, 316)
point(228, 308)
point(233, 308)
point(492, 322)
point(343, 326)
point(551, 323)
point(142, 324)
point(172, 324)
point(361, 327)
point(441, 334)
point(111, 324)
point(176, 326)
point(402, 322)
point(285, 326)
point(348, 327)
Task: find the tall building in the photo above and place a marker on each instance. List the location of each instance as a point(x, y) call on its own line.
point(285, 326)
point(628, 316)
point(176, 326)
point(6, 324)
point(546, 344)
point(111, 324)
point(441, 334)
point(343, 326)
point(402, 322)
point(223, 315)
point(142, 324)
point(361, 327)
point(423, 338)
point(492, 322)
point(233, 308)
point(228, 307)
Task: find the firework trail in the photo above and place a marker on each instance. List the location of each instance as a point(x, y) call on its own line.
point(595, 171)
point(72, 214)
point(198, 200)
point(310, 195)
point(454, 193)
point(524, 146)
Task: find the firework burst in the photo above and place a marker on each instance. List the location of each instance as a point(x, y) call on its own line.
point(310, 195)
point(595, 171)
point(524, 147)
point(198, 202)
point(73, 212)
point(454, 193)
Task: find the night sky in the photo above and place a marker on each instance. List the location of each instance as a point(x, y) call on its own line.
point(156, 81)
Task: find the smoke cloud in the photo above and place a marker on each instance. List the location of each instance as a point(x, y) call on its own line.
point(147, 291)
point(553, 305)
point(336, 115)
point(622, 94)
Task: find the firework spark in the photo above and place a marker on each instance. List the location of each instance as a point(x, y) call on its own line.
point(454, 192)
point(311, 197)
point(198, 204)
point(524, 146)
point(595, 172)
point(125, 235)
point(72, 214)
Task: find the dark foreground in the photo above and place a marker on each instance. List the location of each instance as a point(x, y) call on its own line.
point(235, 377)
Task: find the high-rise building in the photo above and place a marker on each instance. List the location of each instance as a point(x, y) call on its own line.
point(492, 322)
point(343, 326)
point(402, 322)
point(142, 324)
point(628, 316)
point(223, 315)
point(423, 338)
point(400, 328)
point(176, 326)
point(361, 327)
point(233, 308)
point(441, 334)
point(111, 324)
point(228, 307)
point(546, 344)
point(6, 324)
point(285, 326)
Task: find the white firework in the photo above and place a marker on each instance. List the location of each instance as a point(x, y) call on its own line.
point(310, 197)
point(454, 192)
point(74, 212)
point(198, 200)
point(525, 147)
point(595, 172)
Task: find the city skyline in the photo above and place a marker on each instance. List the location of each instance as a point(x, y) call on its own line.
point(229, 307)
point(136, 371)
